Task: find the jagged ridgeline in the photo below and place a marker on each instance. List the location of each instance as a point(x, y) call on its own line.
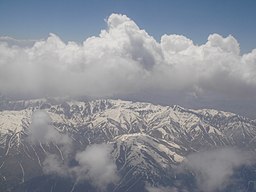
point(63, 145)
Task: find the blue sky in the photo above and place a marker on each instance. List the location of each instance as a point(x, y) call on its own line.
point(78, 19)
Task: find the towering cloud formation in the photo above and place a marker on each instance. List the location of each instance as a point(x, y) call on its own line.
point(124, 59)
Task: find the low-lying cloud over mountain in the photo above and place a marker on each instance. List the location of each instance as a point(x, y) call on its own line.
point(126, 60)
point(94, 164)
point(42, 131)
point(214, 168)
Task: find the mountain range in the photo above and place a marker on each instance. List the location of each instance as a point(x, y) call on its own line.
point(60, 145)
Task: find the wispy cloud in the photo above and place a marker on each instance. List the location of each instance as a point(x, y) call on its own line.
point(213, 169)
point(95, 164)
point(42, 130)
point(17, 42)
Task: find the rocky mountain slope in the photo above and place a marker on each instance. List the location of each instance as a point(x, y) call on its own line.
point(148, 142)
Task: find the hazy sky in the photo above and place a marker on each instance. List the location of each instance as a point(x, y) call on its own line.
point(78, 19)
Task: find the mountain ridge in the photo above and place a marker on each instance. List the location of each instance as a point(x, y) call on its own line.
point(146, 139)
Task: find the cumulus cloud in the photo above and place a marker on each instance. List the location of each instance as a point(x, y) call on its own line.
point(124, 59)
point(213, 169)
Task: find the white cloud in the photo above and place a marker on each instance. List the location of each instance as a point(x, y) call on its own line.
point(124, 59)
point(41, 130)
point(213, 169)
point(54, 165)
point(175, 43)
point(228, 44)
point(97, 165)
